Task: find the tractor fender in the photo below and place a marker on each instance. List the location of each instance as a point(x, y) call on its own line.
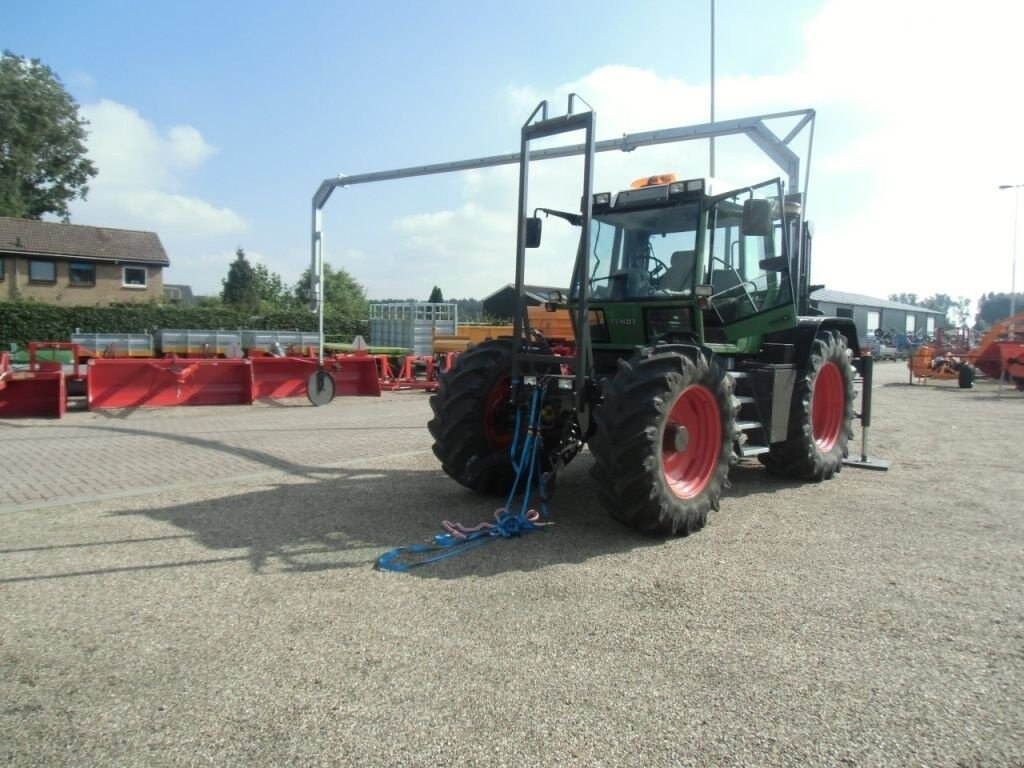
point(802, 337)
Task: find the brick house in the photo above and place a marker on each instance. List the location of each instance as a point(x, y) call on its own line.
point(75, 264)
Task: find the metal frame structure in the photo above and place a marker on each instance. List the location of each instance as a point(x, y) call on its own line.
point(778, 150)
point(540, 126)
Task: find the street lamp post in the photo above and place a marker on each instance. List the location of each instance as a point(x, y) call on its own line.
point(1013, 269)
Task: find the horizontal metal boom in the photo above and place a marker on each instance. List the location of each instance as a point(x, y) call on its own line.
point(754, 127)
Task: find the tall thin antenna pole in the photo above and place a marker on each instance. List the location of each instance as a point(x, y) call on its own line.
point(711, 164)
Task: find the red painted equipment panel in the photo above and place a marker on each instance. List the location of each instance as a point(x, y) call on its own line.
point(35, 394)
point(276, 377)
point(281, 376)
point(1002, 356)
point(354, 374)
point(128, 383)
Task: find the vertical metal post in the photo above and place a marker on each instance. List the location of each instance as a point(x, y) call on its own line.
point(517, 318)
point(711, 159)
point(316, 273)
point(1013, 268)
point(1013, 263)
point(867, 382)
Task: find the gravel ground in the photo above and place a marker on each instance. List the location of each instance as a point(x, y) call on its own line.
point(875, 619)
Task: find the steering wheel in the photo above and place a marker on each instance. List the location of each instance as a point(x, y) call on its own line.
point(659, 268)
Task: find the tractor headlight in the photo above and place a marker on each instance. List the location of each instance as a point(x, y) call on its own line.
point(565, 383)
point(530, 381)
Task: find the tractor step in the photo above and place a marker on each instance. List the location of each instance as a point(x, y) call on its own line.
point(743, 426)
point(748, 451)
point(745, 400)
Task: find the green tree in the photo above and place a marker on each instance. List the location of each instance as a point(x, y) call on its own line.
point(43, 163)
point(240, 288)
point(961, 311)
point(436, 297)
point(470, 310)
point(273, 292)
point(995, 307)
point(904, 298)
point(342, 292)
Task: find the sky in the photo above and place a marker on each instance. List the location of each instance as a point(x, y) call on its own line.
point(213, 124)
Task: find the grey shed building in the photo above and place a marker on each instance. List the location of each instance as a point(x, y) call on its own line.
point(869, 314)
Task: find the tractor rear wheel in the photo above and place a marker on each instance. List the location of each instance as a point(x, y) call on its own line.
point(664, 439)
point(473, 423)
point(820, 415)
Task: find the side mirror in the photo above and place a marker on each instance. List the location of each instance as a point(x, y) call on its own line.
point(533, 232)
point(776, 264)
point(757, 217)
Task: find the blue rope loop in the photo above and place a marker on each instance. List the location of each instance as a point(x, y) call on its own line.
point(507, 522)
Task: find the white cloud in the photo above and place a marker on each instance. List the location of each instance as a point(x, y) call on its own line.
point(916, 128)
point(189, 148)
point(142, 179)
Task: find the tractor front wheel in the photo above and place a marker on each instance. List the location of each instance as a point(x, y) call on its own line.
point(820, 415)
point(473, 422)
point(664, 439)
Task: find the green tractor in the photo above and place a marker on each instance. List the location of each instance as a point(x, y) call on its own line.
point(696, 347)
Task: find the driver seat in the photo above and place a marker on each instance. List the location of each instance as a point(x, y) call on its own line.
point(679, 275)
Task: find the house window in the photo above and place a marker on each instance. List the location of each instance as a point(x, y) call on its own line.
point(1, 270)
point(81, 273)
point(40, 271)
point(911, 324)
point(134, 277)
point(930, 325)
point(843, 312)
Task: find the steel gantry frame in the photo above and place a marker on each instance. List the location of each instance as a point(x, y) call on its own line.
point(777, 149)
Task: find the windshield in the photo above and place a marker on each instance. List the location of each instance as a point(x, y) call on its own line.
point(646, 254)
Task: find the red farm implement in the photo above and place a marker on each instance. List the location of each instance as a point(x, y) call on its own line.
point(41, 388)
point(196, 381)
point(413, 371)
point(999, 355)
point(163, 382)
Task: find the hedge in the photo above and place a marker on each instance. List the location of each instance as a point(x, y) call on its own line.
point(25, 321)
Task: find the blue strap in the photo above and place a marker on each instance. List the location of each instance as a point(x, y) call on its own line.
point(507, 524)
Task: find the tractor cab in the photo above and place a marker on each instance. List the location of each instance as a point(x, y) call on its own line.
point(671, 261)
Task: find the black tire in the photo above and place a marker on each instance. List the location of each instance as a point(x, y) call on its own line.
point(965, 376)
point(467, 422)
point(633, 456)
point(815, 451)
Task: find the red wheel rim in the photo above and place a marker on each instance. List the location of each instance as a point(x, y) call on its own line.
point(691, 442)
point(828, 404)
point(496, 428)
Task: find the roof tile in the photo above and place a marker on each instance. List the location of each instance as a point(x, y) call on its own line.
point(46, 238)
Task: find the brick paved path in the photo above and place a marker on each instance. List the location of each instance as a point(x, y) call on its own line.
point(105, 454)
